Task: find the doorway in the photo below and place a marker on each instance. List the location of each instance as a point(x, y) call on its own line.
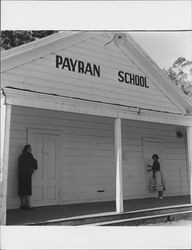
point(45, 181)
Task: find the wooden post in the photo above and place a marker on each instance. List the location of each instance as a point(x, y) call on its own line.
point(189, 153)
point(5, 135)
point(118, 156)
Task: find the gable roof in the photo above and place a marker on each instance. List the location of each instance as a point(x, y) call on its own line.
point(127, 44)
point(42, 47)
point(20, 55)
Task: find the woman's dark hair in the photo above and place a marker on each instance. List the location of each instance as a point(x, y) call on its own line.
point(155, 155)
point(26, 148)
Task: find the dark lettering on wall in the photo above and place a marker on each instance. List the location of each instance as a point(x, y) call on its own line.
point(87, 68)
point(137, 82)
point(77, 66)
point(96, 70)
point(142, 81)
point(66, 64)
point(146, 86)
point(131, 76)
point(121, 78)
point(73, 64)
point(59, 61)
point(132, 79)
point(80, 67)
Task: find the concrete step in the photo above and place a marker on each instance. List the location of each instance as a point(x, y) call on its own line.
point(144, 220)
point(113, 216)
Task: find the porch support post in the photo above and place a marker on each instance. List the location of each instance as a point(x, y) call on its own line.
point(118, 157)
point(189, 153)
point(5, 135)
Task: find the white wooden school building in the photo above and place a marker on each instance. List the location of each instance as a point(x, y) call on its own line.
point(94, 108)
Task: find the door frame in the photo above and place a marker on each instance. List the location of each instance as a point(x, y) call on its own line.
point(31, 131)
point(153, 140)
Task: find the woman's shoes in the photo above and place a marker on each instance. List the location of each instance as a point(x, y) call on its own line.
point(29, 208)
point(26, 207)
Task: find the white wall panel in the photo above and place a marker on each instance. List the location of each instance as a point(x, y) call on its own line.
point(88, 156)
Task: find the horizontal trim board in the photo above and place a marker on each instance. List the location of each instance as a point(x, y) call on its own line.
point(93, 93)
point(78, 99)
point(91, 120)
point(105, 111)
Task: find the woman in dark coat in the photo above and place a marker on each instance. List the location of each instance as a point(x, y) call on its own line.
point(26, 166)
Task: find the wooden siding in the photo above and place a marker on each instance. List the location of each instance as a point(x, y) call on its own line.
point(174, 162)
point(88, 155)
point(43, 76)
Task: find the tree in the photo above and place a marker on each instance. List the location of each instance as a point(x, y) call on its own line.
point(181, 74)
point(11, 39)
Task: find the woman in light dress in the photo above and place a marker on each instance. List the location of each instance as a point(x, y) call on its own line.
point(157, 183)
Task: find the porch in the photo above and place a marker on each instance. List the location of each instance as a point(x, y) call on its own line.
point(40, 214)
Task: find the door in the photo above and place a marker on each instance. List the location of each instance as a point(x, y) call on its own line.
point(150, 147)
point(45, 148)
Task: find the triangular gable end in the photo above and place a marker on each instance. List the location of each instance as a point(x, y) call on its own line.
point(129, 47)
point(92, 66)
point(42, 47)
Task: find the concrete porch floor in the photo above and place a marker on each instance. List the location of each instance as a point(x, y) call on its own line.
point(39, 214)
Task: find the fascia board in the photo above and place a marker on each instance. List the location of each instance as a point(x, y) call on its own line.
point(129, 47)
point(36, 43)
point(38, 50)
point(44, 101)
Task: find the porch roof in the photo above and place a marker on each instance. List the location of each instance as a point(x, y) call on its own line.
point(26, 98)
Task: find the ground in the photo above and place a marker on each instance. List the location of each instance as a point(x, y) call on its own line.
point(181, 222)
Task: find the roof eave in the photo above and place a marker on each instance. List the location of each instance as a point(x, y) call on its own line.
point(42, 47)
point(129, 45)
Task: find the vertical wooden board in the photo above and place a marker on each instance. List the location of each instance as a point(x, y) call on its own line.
point(5, 147)
point(119, 174)
point(189, 157)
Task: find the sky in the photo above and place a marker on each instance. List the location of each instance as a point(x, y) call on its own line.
point(168, 16)
point(165, 47)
